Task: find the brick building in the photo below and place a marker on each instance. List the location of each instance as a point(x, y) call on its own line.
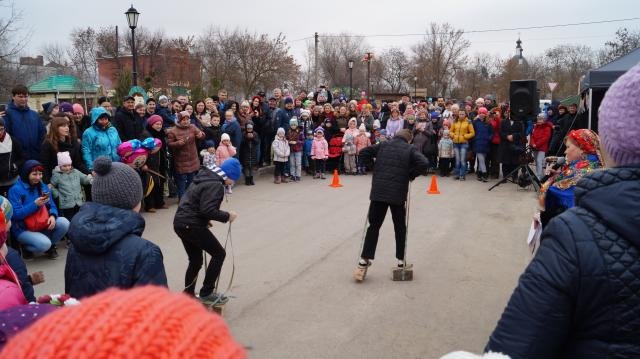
point(168, 71)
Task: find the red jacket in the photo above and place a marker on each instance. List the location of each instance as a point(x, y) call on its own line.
point(496, 123)
point(540, 136)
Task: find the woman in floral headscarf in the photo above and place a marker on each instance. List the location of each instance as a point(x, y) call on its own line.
point(582, 157)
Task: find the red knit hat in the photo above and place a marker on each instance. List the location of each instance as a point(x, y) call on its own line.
point(144, 322)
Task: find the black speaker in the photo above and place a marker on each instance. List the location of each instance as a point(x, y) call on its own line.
point(524, 99)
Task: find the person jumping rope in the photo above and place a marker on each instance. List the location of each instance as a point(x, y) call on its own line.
point(199, 205)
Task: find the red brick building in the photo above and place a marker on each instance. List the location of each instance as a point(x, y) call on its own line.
point(172, 68)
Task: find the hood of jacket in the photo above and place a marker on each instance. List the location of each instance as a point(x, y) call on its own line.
point(13, 107)
point(620, 212)
point(97, 112)
point(207, 175)
point(97, 227)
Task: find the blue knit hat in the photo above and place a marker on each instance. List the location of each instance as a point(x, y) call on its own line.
point(232, 168)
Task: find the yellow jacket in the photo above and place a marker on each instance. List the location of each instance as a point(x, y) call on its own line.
point(462, 131)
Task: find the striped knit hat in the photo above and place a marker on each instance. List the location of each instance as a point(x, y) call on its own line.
point(144, 322)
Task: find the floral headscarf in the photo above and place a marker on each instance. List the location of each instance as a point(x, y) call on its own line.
point(559, 189)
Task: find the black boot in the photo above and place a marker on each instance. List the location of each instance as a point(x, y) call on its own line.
point(251, 181)
point(479, 176)
point(485, 177)
point(52, 253)
point(247, 181)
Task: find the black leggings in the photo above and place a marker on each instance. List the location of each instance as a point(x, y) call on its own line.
point(377, 212)
point(279, 170)
point(320, 165)
point(195, 240)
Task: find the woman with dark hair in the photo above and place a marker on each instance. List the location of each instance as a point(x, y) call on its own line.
point(59, 140)
point(200, 109)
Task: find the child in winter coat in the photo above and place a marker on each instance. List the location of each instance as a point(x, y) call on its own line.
point(306, 159)
point(445, 153)
point(66, 185)
point(482, 142)
point(362, 141)
point(281, 152)
point(249, 153)
point(349, 155)
point(215, 131)
point(539, 142)
point(352, 130)
point(208, 154)
point(319, 152)
point(225, 149)
point(296, 141)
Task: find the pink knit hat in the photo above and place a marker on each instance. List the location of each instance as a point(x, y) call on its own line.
point(619, 119)
point(64, 158)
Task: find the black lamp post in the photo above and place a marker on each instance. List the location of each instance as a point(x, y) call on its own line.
point(350, 80)
point(415, 87)
point(132, 19)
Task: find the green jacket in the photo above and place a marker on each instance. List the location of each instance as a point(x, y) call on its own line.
point(67, 187)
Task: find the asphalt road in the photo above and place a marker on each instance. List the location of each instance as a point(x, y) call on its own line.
point(296, 246)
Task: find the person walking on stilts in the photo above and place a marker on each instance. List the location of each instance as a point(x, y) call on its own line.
point(395, 163)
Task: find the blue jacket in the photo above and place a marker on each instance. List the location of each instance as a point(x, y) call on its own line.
point(107, 251)
point(25, 125)
point(308, 143)
point(282, 119)
point(482, 139)
point(22, 196)
point(580, 295)
point(98, 142)
point(232, 128)
point(168, 120)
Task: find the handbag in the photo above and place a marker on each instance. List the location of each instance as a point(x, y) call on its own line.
point(38, 221)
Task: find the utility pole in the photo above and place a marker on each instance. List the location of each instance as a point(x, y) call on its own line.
point(315, 60)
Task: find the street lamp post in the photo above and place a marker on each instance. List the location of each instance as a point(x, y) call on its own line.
point(350, 80)
point(132, 19)
point(415, 87)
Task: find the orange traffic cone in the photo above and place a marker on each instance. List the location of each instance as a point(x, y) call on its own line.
point(433, 189)
point(336, 180)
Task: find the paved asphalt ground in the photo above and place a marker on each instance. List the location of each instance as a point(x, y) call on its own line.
point(296, 246)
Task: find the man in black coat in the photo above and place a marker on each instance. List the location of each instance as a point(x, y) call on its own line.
point(396, 163)
point(126, 121)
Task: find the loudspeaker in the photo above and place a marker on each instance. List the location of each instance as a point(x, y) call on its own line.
point(524, 99)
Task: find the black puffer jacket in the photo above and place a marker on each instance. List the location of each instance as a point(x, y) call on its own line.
point(580, 296)
point(396, 163)
point(201, 203)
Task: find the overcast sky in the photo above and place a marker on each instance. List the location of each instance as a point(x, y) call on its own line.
point(52, 22)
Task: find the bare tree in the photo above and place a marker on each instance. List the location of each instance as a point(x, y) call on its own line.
point(565, 64)
point(83, 53)
point(624, 42)
point(13, 38)
point(396, 69)
point(437, 57)
point(55, 53)
point(334, 53)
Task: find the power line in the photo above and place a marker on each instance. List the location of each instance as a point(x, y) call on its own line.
point(482, 31)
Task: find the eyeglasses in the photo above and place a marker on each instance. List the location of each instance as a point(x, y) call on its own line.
point(22, 96)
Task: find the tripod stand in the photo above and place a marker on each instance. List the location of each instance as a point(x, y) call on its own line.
point(522, 171)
